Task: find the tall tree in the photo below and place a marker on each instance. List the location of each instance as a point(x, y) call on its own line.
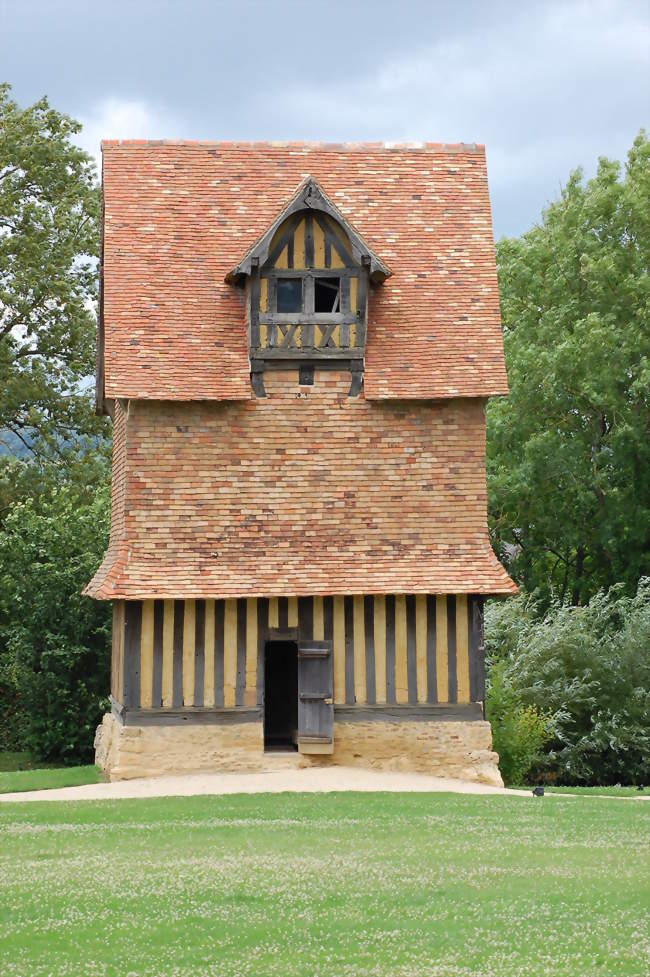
point(569, 450)
point(49, 218)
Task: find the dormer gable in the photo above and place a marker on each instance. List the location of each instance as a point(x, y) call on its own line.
point(307, 280)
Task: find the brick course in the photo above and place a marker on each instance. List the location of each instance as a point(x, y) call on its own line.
point(306, 491)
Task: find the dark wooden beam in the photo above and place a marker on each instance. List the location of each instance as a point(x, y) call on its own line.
point(313, 355)
point(254, 313)
point(362, 311)
point(423, 712)
point(132, 641)
point(309, 241)
point(313, 272)
point(475, 606)
point(191, 716)
point(318, 318)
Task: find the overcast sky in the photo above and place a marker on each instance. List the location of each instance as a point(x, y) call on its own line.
point(547, 86)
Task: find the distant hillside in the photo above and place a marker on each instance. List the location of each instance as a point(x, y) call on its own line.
point(10, 444)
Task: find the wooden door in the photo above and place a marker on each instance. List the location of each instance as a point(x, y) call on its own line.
point(315, 691)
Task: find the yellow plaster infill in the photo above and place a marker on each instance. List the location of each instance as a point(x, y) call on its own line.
point(230, 653)
point(401, 673)
point(462, 648)
point(319, 620)
point(299, 246)
point(189, 625)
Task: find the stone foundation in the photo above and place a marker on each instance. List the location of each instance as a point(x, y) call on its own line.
point(125, 752)
point(462, 750)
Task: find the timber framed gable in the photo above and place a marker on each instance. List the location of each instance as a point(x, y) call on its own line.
point(307, 281)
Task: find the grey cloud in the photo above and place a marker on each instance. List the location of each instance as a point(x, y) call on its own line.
point(546, 85)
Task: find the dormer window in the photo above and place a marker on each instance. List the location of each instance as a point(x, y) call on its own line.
point(288, 295)
point(327, 295)
point(307, 281)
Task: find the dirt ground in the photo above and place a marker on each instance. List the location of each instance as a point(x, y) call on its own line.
point(272, 781)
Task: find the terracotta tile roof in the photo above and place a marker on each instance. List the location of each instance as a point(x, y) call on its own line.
point(179, 216)
point(307, 491)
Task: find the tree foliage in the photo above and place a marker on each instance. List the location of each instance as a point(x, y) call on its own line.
point(49, 215)
point(588, 669)
point(569, 450)
point(54, 643)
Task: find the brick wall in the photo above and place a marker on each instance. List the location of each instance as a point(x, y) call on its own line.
point(306, 491)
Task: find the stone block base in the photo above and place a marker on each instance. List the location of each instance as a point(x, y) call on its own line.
point(462, 750)
point(125, 752)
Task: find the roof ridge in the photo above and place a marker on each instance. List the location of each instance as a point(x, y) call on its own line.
point(386, 146)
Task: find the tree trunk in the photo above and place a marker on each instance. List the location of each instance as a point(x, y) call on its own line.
point(580, 559)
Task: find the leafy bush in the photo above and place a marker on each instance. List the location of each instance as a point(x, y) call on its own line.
point(519, 732)
point(590, 668)
point(54, 643)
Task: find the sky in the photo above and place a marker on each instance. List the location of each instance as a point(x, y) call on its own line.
point(547, 86)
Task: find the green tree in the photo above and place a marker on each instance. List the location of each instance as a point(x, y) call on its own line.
point(49, 217)
point(54, 643)
point(569, 450)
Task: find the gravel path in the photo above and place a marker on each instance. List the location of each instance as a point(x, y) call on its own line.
point(271, 782)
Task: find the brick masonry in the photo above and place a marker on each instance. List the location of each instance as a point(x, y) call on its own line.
point(306, 491)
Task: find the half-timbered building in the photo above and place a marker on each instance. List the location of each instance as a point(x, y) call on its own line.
point(296, 344)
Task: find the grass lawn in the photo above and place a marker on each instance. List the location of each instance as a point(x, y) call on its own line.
point(601, 791)
point(325, 885)
point(44, 779)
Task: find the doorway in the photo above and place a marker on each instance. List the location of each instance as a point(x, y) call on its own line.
point(281, 695)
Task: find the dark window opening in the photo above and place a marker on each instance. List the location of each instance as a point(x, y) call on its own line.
point(327, 295)
point(306, 376)
point(281, 695)
point(289, 295)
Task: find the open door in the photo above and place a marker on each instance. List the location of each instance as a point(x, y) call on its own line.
point(280, 695)
point(315, 691)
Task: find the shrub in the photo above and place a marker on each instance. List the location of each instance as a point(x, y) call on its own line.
point(54, 643)
point(590, 667)
point(519, 732)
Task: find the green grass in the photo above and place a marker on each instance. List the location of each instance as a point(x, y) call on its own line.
point(45, 779)
point(330, 885)
point(600, 791)
point(14, 760)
